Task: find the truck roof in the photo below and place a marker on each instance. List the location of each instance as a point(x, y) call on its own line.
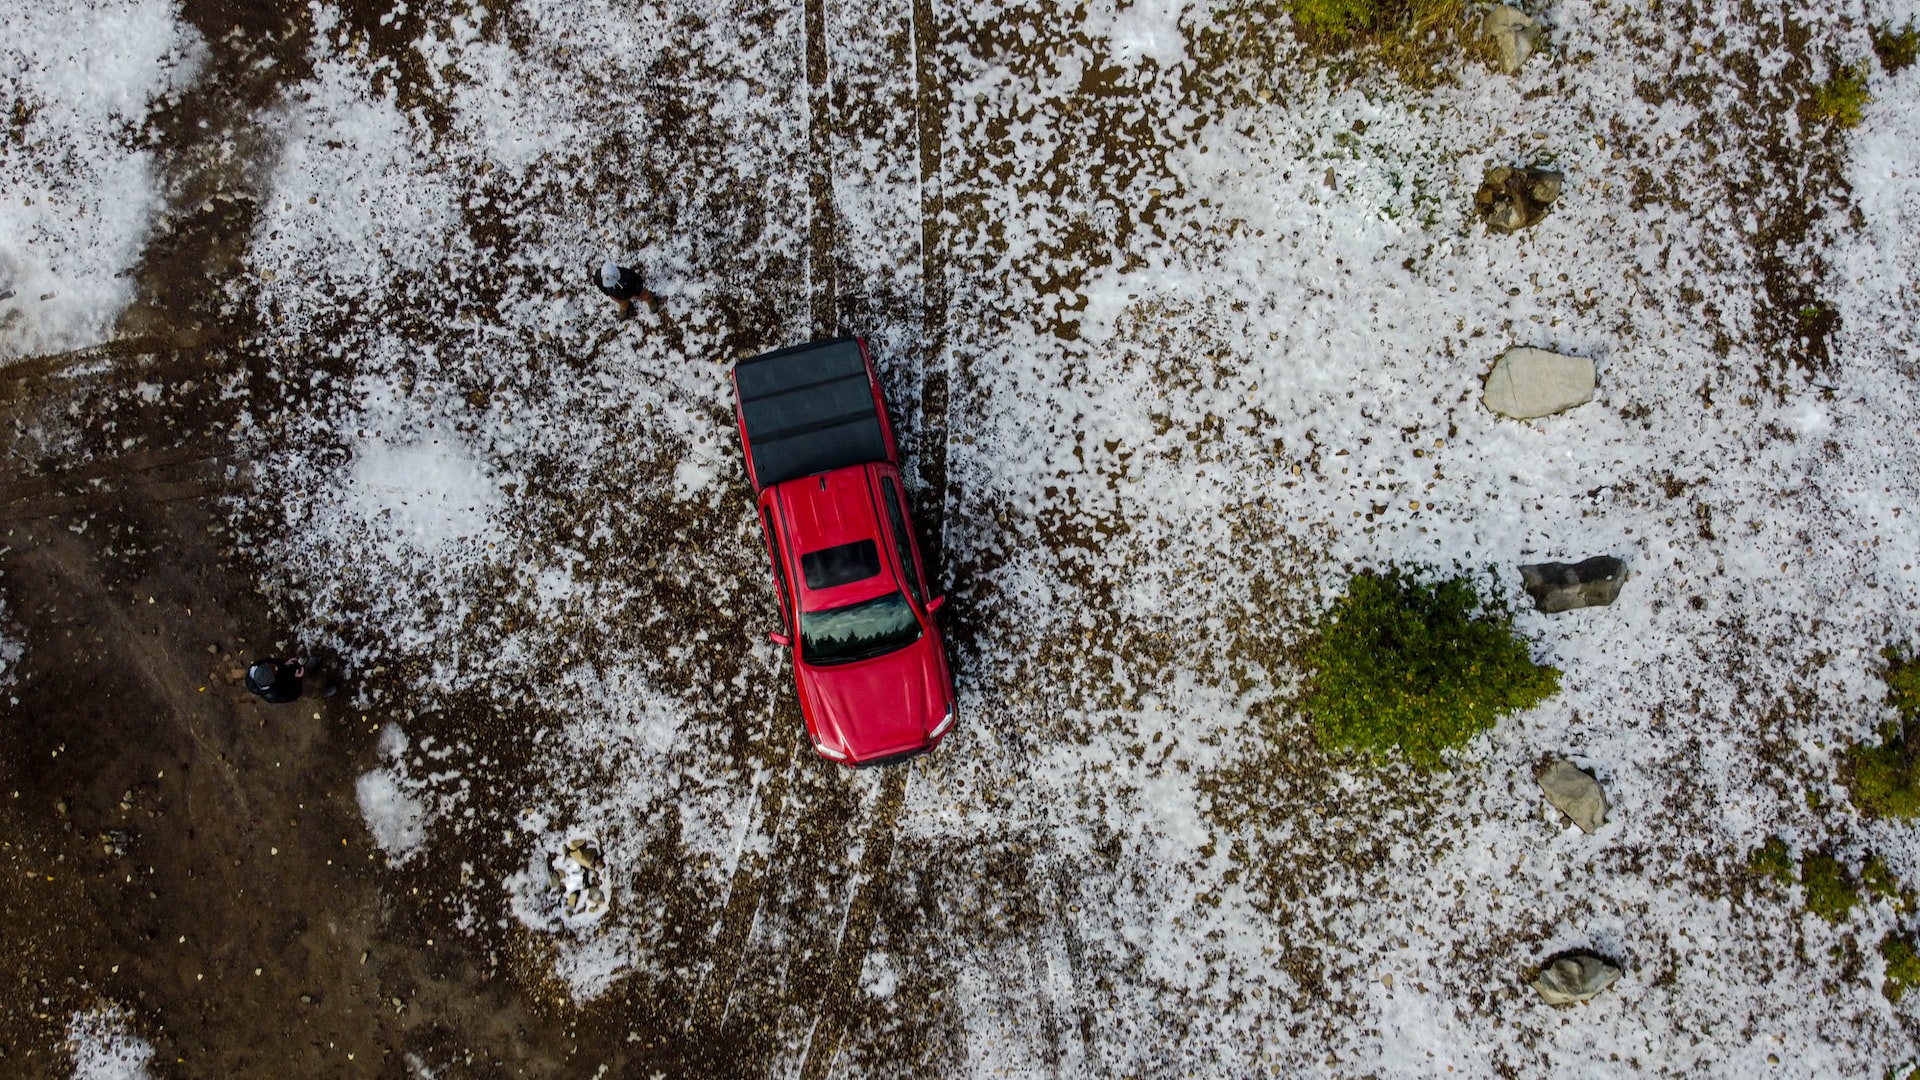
point(809, 409)
point(837, 513)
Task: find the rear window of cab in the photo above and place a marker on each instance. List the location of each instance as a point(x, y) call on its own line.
point(843, 564)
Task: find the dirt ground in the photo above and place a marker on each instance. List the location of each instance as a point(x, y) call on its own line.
point(170, 842)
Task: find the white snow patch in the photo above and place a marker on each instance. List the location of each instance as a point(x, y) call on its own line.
point(394, 803)
point(692, 477)
point(878, 976)
point(1137, 29)
point(105, 1045)
point(590, 953)
point(424, 494)
point(12, 650)
point(597, 963)
point(78, 190)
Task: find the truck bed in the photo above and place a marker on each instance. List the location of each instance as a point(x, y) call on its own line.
point(808, 409)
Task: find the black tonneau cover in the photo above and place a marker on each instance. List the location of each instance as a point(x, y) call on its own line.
point(808, 409)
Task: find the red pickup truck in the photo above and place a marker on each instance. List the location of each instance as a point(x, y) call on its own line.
point(856, 605)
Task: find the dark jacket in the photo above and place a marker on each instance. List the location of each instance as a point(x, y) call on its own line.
point(276, 680)
point(629, 286)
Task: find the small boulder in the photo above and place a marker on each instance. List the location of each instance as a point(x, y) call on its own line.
point(1575, 978)
point(1528, 383)
point(1514, 35)
point(1574, 792)
point(1557, 587)
point(1509, 199)
point(577, 877)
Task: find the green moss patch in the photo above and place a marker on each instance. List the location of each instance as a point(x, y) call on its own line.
point(1414, 667)
point(1420, 41)
point(1773, 861)
point(1830, 892)
point(1879, 880)
point(1897, 49)
point(1335, 18)
point(1884, 780)
point(1903, 965)
point(1843, 98)
point(1903, 683)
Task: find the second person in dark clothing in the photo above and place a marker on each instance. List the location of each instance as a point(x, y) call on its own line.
point(278, 681)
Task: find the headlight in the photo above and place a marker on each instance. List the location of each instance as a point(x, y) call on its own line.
point(945, 723)
point(837, 755)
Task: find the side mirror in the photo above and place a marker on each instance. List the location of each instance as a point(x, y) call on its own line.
point(936, 604)
point(781, 640)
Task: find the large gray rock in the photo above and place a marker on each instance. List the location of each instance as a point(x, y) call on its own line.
point(1557, 587)
point(1575, 978)
point(1528, 383)
point(1574, 792)
point(1514, 36)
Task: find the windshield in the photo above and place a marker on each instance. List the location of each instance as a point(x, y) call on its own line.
point(857, 631)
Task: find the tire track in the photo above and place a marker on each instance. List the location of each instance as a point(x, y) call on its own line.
point(156, 666)
point(800, 921)
point(145, 477)
point(185, 352)
point(930, 97)
point(109, 468)
point(146, 493)
point(856, 933)
point(744, 895)
point(823, 222)
point(1076, 999)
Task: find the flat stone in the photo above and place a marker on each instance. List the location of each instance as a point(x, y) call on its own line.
point(1557, 587)
point(1574, 792)
point(1529, 383)
point(1515, 36)
point(1571, 979)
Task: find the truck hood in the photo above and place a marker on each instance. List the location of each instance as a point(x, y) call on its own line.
point(875, 708)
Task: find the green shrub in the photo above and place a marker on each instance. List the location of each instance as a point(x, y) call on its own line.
point(1829, 894)
point(1903, 965)
point(1421, 667)
point(1773, 860)
point(1897, 49)
point(1843, 98)
point(1884, 780)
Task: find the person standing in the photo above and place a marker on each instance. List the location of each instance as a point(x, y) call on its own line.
point(282, 680)
point(277, 681)
point(624, 284)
